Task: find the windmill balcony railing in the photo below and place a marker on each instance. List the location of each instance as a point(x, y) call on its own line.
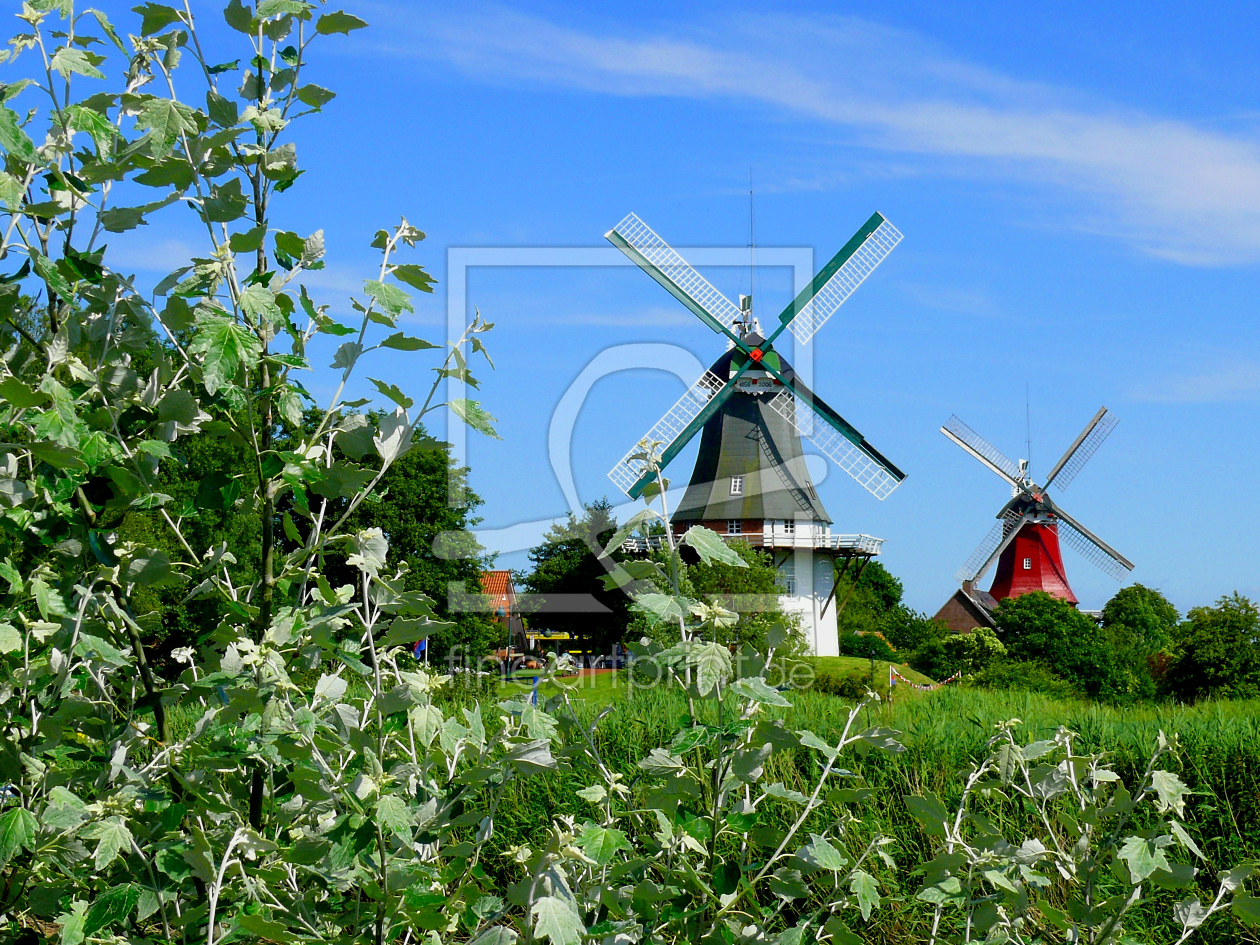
point(823, 541)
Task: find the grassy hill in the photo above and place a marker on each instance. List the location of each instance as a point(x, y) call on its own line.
point(845, 664)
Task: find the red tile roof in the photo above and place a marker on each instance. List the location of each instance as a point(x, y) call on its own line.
point(497, 583)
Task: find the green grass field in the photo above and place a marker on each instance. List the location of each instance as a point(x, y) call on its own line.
point(602, 688)
point(944, 733)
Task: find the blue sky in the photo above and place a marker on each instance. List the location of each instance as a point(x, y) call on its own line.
point(1078, 186)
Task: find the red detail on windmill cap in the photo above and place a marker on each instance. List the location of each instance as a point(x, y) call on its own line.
point(755, 354)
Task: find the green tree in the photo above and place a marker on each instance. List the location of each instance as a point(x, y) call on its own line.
point(875, 606)
point(1139, 622)
point(568, 563)
point(751, 592)
point(871, 596)
point(1142, 614)
point(1216, 652)
point(414, 510)
point(1049, 631)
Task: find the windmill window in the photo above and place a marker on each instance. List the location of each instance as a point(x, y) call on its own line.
point(1028, 564)
point(789, 527)
point(786, 578)
point(735, 526)
point(737, 485)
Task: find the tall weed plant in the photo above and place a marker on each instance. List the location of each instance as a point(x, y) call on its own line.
point(249, 791)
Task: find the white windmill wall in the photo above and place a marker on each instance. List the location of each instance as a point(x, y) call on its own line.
point(808, 577)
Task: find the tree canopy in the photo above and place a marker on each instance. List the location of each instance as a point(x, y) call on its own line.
point(567, 581)
point(1044, 629)
point(1216, 652)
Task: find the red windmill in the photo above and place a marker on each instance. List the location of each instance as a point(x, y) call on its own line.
point(1025, 541)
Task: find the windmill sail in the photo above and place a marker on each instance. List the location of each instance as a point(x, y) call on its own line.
point(1092, 548)
point(993, 544)
point(655, 257)
point(627, 473)
point(982, 449)
point(859, 460)
point(1082, 449)
point(847, 270)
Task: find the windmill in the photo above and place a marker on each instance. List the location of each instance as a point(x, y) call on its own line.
point(750, 478)
point(1025, 540)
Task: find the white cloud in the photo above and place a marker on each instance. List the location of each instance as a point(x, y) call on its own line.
point(1230, 379)
point(1187, 193)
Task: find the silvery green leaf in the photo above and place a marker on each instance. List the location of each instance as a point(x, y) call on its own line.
point(601, 844)
point(1186, 840)
point(394, 438)
point(595, 793)
point(863, 885)
point(1191, 913)
point(661, 607)
point(472, 414)
point(821, 853)
point(497, 935)
point(532, 757)
point(346, 355)
point(883, 738)
point(659, 761)
point(756, 689)
point(330, 688)
point(1171, 791)
point(18, 828)
point(709, 545)
point(810, 740)
point(1143, 856)
point(427, 722)
point(394, 815)
point(112, 837)
point(784, 793)
point(624, 532)
point(260, 302)
point(362, 786)
point(557, 920)
point(1234, 878)
point(370, 550)
point(712, 662)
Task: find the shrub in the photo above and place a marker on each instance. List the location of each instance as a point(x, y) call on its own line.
point(867, 646)
point(1216, 653)
point(847, 684)
point(908, 630)
point(1049, 631)
point(1026, 676)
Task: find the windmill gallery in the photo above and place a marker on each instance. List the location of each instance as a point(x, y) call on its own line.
point(750, 481)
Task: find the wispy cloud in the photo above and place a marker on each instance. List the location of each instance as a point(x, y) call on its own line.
point(1228, 380)
point(1177, 190)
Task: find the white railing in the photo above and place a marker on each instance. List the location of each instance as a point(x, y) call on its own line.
point(824, 541)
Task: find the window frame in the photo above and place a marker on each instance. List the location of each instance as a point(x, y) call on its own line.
point(737, 485)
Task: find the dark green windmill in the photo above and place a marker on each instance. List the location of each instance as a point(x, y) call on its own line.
point(750, 404)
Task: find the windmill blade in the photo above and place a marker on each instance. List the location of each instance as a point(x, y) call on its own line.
point(837, 440)
point(994, 543)
point(655, 257)
point(837, 280)
point(982, 449)
point(673, 430)
point(1083, 448)
point(1092, 548)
